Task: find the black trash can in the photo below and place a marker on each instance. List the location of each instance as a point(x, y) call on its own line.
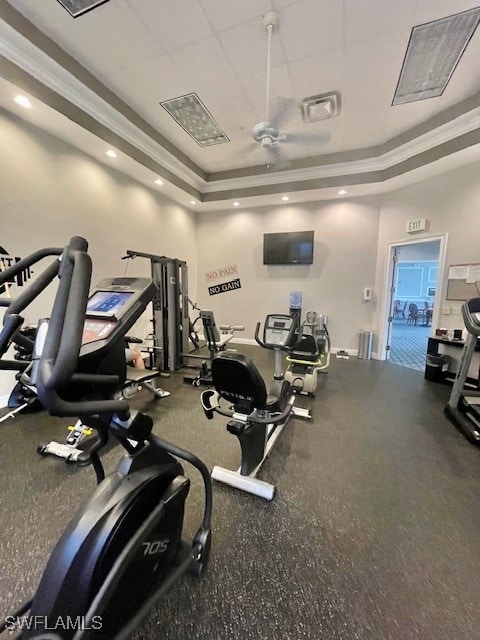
point(435, 367)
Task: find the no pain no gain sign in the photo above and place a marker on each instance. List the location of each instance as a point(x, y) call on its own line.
point(224, 287)
point(219, 274)
point(6, 261)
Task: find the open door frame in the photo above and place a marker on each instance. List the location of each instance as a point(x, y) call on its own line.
point(388, 279)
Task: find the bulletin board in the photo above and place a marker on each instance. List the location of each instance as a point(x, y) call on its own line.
point(462, 279)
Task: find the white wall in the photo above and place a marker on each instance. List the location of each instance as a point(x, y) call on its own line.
point(346, 236)
point(351, 239)
point(49, 191)
point(451, 202)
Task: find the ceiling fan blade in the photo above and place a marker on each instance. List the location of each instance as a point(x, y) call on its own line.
point(282, 108)
point(299, 138)
point(251, 148)
point(273, 153)
point(253, 153)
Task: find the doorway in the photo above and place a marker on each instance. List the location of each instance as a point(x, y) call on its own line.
point(412, 299)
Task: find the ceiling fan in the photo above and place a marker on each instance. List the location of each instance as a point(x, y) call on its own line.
point(267, 133)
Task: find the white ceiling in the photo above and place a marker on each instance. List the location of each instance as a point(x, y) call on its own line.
point(147, 51)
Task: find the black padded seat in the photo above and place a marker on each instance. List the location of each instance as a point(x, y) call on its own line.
point(238, 380)
point(306, 349)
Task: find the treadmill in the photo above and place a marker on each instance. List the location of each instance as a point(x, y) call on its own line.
point(463, 407)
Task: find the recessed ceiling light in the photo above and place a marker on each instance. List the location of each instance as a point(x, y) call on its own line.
point(285, 198)
point(159, 182)
point(236, 204)
point(192, 202)
point(23, 101)
point(111, 154)
point(342, 192)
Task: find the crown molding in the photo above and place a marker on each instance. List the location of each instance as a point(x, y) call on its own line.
point(464, 124)
point(79, 96)
point(37, 64)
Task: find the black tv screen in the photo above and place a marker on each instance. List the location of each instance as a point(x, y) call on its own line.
point(288, 248)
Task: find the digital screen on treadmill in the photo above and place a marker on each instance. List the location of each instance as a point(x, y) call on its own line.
point(279, 325)
point(110, 302)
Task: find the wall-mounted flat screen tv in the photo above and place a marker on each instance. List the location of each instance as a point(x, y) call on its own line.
point(288, 248)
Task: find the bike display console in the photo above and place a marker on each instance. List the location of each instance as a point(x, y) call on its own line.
point(278, 330)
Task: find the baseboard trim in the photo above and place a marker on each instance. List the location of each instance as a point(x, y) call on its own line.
point(4, 401)
point(351, 352)
point(334, 350)
point(243, 341)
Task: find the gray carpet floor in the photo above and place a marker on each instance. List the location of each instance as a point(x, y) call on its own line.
point(373, 533)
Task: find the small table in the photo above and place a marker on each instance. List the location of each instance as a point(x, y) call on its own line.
point(434, 342)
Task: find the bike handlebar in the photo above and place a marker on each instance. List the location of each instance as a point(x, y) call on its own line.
point(273, 346)
point(257, 337)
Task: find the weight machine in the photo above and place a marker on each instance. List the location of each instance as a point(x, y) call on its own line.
point(216, 340)
point(171, 323)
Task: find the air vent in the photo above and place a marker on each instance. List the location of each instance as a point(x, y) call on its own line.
point(321, 107)
point(192, 115)
point(76, 7)
point(433, 52)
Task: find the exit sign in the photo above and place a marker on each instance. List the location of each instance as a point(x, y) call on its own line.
point(416, 225)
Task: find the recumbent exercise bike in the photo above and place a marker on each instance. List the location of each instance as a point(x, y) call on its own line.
point(257, 417)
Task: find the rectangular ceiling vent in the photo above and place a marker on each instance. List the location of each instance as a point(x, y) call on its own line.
point(76, 7)
point(192, 115)
point(321, 107)
point(433, 52)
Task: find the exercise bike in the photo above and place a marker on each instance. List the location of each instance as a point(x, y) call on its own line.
point(257, 417)
point(309, 355)
point(124, 547)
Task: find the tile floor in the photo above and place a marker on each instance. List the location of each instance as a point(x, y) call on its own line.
point(409, 344)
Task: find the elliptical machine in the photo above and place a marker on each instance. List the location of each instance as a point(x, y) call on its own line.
point(124, 547)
